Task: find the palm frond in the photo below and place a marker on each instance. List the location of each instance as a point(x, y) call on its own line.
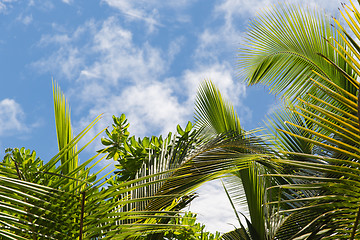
point(63, 129)
point(298, 54)
point(282, 50)
point(44, 201)
point(332, 173)
point(213, 113)
point(217, 116)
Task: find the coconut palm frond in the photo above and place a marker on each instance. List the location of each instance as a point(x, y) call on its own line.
point(282, 50)
point(216, 116)
point(63, 129)
point(315, 66)
point(332, 173)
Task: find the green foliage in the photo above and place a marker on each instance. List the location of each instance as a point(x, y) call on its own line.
point(217, 116)
point(190, 158)
point(37, 204)
point(64, 130)
point(131, 153)
point(301, 182)
point(27, 194)
point(59, 199)
point(284, 48)
point(316, 140)
point(25, 161)
point(192, 231)
point(122, 148)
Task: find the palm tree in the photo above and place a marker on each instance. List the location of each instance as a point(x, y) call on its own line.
point(316, 139)
point(310, 154)
point(217, 116)
point(301, 184)
point(188, 153)
point(60, 199)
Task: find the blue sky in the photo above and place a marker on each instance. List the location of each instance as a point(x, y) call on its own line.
point(143, 58)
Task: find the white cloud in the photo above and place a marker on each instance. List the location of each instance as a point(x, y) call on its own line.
point(58, 39)
point(149, 11)
point(157, 106)
point(2, 7)
point(120, 77)
point(137, 11)
point(143, 6)
point(235, 15)
point(63, 37)
point(11, 117)
point(150, 108)
point(219, 73)
point(120, 58)
point(244, 8)
point(124, 77)
point(214, 209)
point(175, 47)
point(44, 5)
point(4, 4)
point(26, 20)
point(67, 61)
point(153, 107)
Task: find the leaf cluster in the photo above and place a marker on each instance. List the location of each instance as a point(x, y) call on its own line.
point(132, 153)
point(193, 230)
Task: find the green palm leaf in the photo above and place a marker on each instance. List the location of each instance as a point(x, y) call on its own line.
point(44, 201)
point(216, 116)
point(282, 50)
point(298, 54)
point(333, 172)
point(63, 129)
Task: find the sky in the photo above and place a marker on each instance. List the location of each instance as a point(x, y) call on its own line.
point(144, 58)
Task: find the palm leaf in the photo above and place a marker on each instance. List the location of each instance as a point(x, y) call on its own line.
point(63, 129)
point(282, 50)
point(333, 176)
point(317, 136)
point(217, 116)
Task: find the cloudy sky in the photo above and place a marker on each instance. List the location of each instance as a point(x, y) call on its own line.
point(144, 58)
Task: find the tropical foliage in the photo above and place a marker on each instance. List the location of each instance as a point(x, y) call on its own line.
point(195, 231)
point(314, 138)
point(60, 199)
point(299, 177)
